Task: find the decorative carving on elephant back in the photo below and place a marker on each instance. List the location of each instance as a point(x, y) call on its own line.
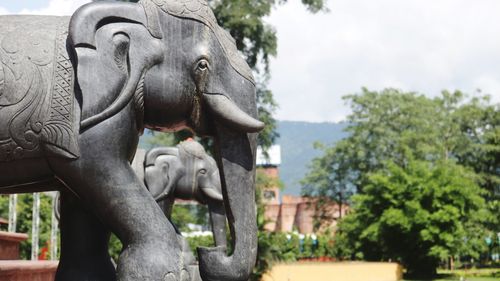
point(36, 90)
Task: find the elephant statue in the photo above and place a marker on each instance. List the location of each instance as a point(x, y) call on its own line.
point(75, 95)
point(186, 172)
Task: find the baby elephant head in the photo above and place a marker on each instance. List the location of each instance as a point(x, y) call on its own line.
point(185, 172)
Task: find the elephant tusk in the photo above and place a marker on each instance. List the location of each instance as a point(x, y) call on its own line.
point(212, 193)
point(231, 115)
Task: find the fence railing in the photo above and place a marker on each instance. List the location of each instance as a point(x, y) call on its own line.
point(35, 224)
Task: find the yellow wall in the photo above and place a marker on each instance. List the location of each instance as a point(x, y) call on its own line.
point(339, 271)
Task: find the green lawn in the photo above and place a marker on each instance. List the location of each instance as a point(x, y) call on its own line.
point(455, 278)
point(487, 274)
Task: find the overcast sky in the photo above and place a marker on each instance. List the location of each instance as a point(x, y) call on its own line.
point(415, 45)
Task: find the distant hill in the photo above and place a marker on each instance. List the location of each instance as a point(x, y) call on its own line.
point(296, 141)
point(297, 151)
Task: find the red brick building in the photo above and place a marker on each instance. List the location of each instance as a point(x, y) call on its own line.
point(294, 213)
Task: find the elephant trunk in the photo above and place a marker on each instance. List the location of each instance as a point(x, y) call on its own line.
point(236, 159)
point(218, 222)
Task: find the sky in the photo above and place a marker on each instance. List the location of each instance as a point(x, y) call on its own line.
point(424, 46)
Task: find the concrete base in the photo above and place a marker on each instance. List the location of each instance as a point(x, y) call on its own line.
point(28, 270)
point(9, 245)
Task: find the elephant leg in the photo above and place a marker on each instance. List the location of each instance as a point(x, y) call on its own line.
point(114, 193)
point(84, 244)
point(218, 221)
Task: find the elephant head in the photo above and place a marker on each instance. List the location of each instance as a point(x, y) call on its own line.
point(184, 68)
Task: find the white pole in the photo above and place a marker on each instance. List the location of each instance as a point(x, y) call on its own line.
point(54, 229)
point(35, 226)
point(12, 212)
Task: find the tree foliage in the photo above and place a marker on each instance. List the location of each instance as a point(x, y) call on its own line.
point(423, 169)
point(418, 215)
point(386, 125)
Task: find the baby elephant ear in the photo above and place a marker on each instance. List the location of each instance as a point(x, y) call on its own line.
point(157, 174)
point(158, 180)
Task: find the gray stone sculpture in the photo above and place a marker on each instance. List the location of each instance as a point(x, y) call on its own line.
point(75, 94)
point(187, 172)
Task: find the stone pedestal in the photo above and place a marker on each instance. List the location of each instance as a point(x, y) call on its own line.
point(28, 270)
point(12, 269)
point(9, 245)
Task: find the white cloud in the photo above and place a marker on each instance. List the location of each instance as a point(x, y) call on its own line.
point(416, 45)
point(57, 7)
point(3, 11)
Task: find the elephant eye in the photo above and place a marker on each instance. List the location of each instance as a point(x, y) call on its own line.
point(203, 171)
point(202, 65)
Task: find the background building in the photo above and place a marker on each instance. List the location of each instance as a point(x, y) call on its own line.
point(293, 213)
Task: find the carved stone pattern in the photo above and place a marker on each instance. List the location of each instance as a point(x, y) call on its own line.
point(139, 104)
point(25, 59)
point(36, 99)
point(200, 10)
point(59, 128)
point(2, 79)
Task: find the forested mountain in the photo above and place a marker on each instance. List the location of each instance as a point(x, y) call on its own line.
point(296, 141)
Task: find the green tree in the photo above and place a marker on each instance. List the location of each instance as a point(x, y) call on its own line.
point(328, 178)
point(268, 252)
point(418, 215)
point(4, 209)
point(162, 139)
point(381, 126)
point(182, 215)
point(384, 125)
point(392, 130)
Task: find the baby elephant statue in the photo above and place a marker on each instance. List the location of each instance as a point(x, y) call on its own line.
point(186, 172)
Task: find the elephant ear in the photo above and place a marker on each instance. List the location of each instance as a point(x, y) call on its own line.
point(158, 181)
point(133, 49)
point(157, 176)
